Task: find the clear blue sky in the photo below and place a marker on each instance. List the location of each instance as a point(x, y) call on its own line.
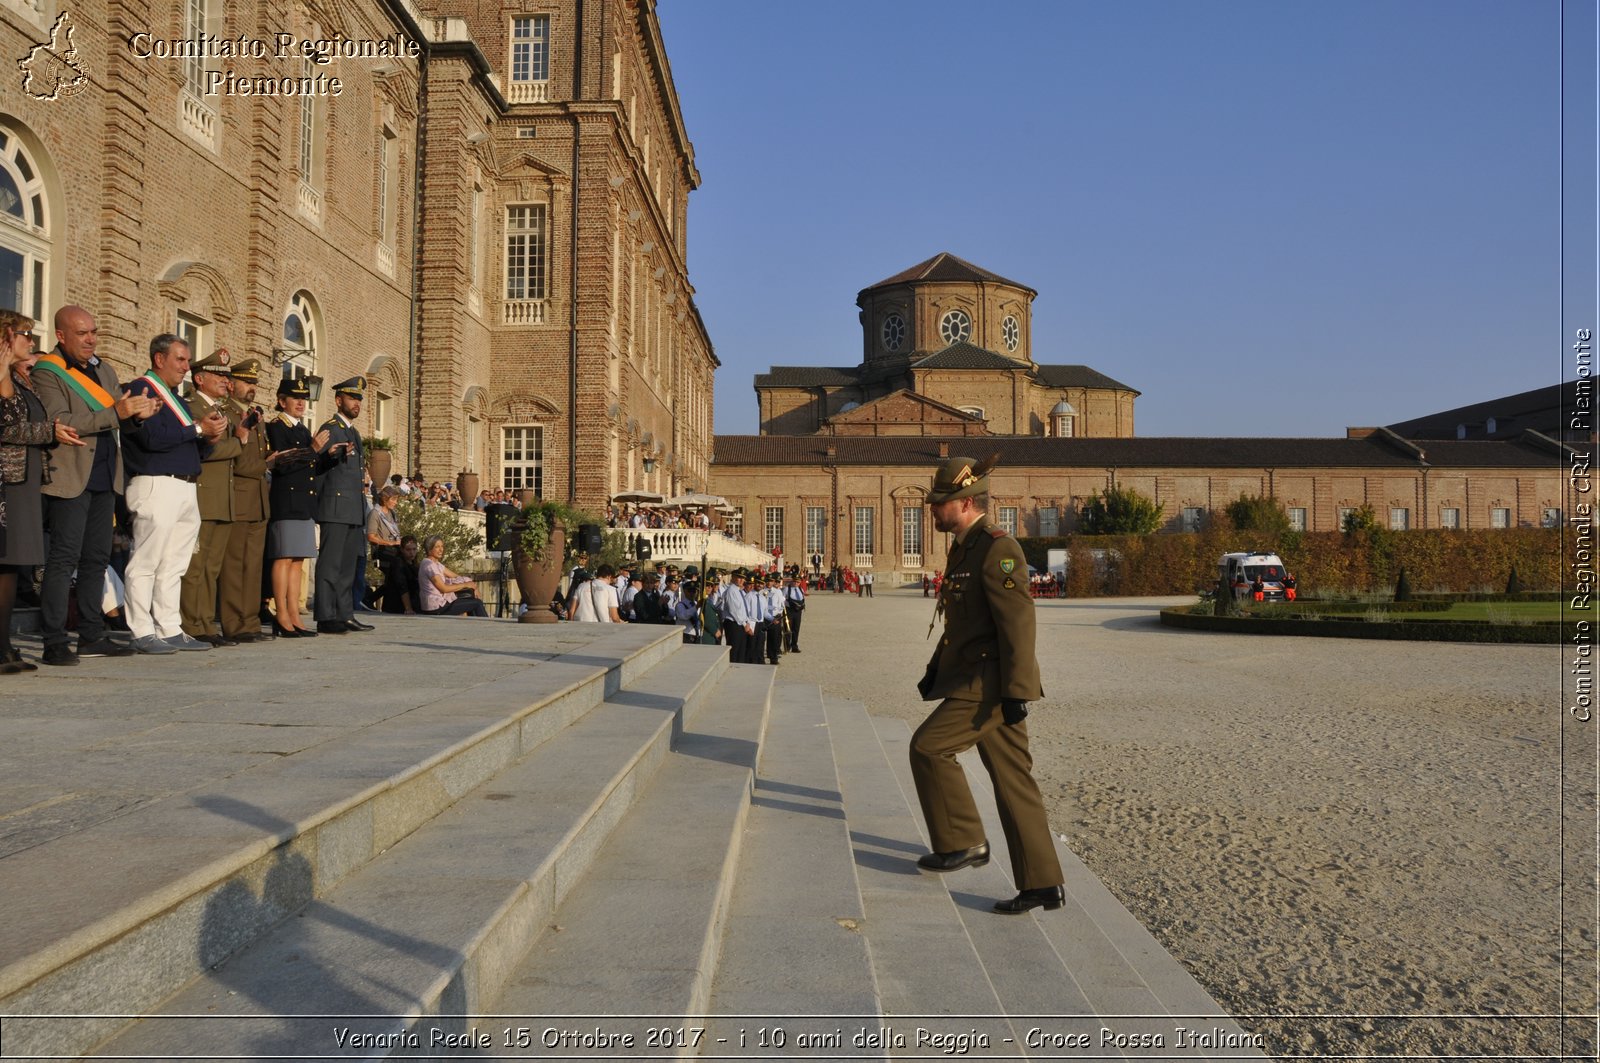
point(1270, 218)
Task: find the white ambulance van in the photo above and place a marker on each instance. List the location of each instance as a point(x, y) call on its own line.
point(1237, 573)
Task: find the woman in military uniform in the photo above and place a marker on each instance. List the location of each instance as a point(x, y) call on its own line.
point(292, 530)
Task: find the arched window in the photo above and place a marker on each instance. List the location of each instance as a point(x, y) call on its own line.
point(302, 326)
point(24, 229)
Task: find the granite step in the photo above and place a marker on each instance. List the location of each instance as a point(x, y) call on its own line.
point(640, 934)
point(793, 944)
point(1088, 978)
point(202, 875)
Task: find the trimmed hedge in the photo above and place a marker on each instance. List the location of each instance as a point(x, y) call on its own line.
point(1405, 630)
point(1303, 605)
point(1322, 562)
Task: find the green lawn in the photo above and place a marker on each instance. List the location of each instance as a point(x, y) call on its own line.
point(1502, 611)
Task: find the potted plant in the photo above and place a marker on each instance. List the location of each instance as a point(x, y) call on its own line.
point(380, 458)
point(537, 553)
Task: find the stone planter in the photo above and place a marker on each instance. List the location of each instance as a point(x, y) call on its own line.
point(467, 485)
point(537, 579)
point(378, 464)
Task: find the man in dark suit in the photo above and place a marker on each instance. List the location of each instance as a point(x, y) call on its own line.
point(341, 518)
point(80, 390)
point(983, 673)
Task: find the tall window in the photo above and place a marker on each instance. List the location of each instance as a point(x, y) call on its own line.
point(773, 529)
point(911, 532)
point(734, 524)
point(1450, 517)
point(194, 66)
point(522, 459)
point(530, 59)
point(816, 529)
point(1192, 516)
point(864, 530)
point(1345, 513)
point(1049, 521)
point(1297, 518)
point(388, 165)
point(1399, 518)
point(1500, 517)
point(473, 256)
point(382, 416)
point(1008, 520)
point(525, 249)
point(24, 233)
point(308, 127)
point(1550, 519)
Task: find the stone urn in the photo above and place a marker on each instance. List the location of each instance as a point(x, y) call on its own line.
point(378, 464)
point(467, 485)
point(538, 578)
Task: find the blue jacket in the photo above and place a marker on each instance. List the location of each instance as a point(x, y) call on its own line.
point(161, 445)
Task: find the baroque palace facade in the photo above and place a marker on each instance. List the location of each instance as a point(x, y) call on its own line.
point(846, 454)
point(481, 207)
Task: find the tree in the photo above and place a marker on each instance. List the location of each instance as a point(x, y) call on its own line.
point(1258, 514)
point(1402, 588)
point(1119, 511)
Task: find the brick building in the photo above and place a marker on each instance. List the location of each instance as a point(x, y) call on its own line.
point(846, 455)
point(479, 205)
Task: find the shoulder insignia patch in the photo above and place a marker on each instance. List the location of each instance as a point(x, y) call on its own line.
point(1009, 584)
point(1008, 565)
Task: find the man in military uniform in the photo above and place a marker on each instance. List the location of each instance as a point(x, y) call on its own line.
point(340, 517)
point(198, 595)
point(247, 535)
point(984, 673)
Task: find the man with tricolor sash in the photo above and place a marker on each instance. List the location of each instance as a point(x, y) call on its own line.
point(80, 390)
point(163, 455)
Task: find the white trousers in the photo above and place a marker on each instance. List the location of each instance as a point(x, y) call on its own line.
point(166, 527)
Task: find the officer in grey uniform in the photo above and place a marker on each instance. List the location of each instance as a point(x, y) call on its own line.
point(983, 673)
point(340, 516)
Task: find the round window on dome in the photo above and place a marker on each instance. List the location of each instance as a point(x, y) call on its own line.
point(955, 326)
point(894, 332)
point(1011, 332)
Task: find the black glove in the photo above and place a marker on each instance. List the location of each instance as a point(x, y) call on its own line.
point(1013, 711)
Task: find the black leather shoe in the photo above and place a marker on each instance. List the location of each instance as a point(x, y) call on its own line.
point(956, 859)
point(286, 632)
point(61, 655)
point(332, 627)
point(1047, 897)
point(356, 625)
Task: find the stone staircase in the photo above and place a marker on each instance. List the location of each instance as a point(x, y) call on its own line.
point(631, 849)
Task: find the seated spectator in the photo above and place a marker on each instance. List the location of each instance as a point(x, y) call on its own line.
point(446, 593)
point(384, 541)
point(404, 594)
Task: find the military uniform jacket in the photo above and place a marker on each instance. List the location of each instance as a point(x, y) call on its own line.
point(215, 489)
point(987, 651)
point(294, 487)
point(250, 491)
point(339, 477)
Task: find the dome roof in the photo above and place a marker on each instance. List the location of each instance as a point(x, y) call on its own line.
point(1062, 407)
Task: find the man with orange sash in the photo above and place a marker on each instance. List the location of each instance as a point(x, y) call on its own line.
point(80, 390)
point(163, 456)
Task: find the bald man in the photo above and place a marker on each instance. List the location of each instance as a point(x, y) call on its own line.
point(80, 390)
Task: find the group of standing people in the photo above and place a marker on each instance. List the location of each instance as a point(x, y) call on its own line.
point(210, 491)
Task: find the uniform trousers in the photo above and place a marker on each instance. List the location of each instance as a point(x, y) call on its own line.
point(241, 577)
point(737, 641)
point(774, 630)
point(80, 538)
point(166, 524)
point(946, 798)
point(795, 613)
point(336, 570)
point(199, 593)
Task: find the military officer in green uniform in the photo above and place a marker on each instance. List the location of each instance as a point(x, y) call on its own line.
point(198, 595)
point(983, 673)
point(241, 589)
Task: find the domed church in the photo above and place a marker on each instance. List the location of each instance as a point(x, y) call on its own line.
point(947, 350)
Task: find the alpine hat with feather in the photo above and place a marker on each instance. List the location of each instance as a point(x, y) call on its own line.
point(962, 478)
